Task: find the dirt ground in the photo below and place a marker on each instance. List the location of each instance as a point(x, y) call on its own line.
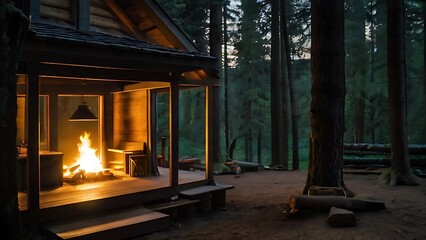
point(255, 211)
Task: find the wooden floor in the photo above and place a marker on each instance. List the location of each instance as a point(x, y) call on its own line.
point(123, 184)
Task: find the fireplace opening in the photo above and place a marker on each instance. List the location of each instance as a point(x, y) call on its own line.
point(88, 166)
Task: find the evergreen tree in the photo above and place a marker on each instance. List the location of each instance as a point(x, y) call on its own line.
point(251, 75)
point(400, 164)
point(328, 93)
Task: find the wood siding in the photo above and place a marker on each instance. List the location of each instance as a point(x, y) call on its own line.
point(57, 9)
point(130, 117)
point(102, 18)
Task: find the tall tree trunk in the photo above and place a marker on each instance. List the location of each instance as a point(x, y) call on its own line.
point(424, 66)
point(360, 70)
point(225, 74)
point(293, 101)
point(216, 51)
point(328, 93)
point(259, 147)
point(401, 172)
point(285, 101)
point(13, 26)
point(372, 62)
point(276, 103)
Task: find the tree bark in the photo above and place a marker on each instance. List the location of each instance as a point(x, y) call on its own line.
point(328, 93)
point(401, 172)
point(13, 26)
point(276, 95)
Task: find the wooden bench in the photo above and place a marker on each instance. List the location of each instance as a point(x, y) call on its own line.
point(210, 196)
point(118, 158)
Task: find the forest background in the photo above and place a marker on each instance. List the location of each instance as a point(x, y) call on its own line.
point(245, 99)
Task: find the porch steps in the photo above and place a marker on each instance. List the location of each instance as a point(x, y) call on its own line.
point(115, 225)
point(176, 209)
point(209, 196)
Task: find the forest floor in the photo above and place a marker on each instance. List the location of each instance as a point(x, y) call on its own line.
point(255, 210)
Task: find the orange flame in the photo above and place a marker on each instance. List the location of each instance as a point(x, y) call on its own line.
point(87, 159)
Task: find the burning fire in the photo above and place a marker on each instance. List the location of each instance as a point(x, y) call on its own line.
point(87, 161)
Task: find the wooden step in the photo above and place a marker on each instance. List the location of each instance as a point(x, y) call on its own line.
point(172, 204)
point(210, 196)
point(181, 208)
point(116, 225)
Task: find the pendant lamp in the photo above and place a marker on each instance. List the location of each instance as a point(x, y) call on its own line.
point(83, 113)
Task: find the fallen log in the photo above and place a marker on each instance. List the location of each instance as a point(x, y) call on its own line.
point(362, 153)
point(245, 166)
point(325, 202)
point(413, 149)
point(381, 161)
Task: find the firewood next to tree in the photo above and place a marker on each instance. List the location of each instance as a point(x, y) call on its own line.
point(339, 217)
point(324, 202)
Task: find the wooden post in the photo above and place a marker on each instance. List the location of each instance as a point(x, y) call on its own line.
point(33, 156)
point(210, 117)
point(53, 122)
point(174, 136)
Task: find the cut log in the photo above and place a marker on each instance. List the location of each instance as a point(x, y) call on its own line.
point(339, 217)
point(324, 203)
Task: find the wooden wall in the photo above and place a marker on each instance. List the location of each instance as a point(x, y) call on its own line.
point(58, 9)
point(101, 17)
point(130, 117)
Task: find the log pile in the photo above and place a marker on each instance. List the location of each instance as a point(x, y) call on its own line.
point(73, 175)
point(374, 157)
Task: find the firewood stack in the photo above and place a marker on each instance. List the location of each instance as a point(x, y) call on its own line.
point(73, 175)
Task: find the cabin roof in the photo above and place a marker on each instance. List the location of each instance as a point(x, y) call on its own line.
point(46, 31)
point(135, 35)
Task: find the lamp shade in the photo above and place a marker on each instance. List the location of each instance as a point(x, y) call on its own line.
point(83, 113)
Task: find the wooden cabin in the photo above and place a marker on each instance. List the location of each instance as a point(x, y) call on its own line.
point(115, 59)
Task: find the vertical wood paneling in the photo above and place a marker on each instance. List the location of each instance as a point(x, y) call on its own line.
point(130, 117)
